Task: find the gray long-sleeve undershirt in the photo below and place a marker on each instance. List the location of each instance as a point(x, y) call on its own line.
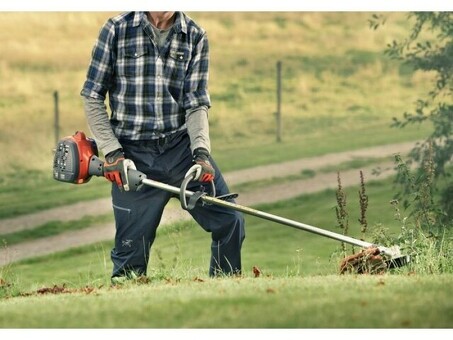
point(99, 124)
point(198, 128)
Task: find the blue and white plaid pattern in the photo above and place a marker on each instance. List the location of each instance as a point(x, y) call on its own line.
point(149, 89)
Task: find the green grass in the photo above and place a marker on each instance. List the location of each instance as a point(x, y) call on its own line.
point(26, 191)
point(305, 174)
point(315, 302)
point(355, 163)
point(253, 185)
point(261, 151)
point(182, 250)
point(53, 228)
point(299, 285)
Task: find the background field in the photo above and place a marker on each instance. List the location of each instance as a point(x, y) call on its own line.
point(339, 90)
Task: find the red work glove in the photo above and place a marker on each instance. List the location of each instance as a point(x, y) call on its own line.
point(201, 157)
point(114, 169)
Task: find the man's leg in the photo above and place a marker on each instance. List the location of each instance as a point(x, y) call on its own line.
point(226, 227)
point(137, 216)
point(168, 164)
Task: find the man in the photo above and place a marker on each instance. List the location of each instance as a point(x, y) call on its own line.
point(154, 67)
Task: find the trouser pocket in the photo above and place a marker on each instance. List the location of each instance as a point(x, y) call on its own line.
point(123, 218)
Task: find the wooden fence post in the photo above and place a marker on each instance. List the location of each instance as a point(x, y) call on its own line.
point(56, 117)
point(278, 114)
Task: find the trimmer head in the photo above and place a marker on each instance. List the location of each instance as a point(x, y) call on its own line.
point(399, 261)
point(393, 257)
point(374, 260)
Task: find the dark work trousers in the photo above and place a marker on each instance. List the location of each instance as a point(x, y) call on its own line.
point(138, 214)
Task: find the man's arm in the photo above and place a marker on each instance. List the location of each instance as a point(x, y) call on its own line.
point(97, 83)
point(115, 169)
point(196, 104)
point(196, 94)
point(198, 128)
point(99, 124)
point(200, 145)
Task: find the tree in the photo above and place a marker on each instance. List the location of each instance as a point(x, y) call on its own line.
point(429, 48)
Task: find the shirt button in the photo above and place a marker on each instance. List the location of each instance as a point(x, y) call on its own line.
point(135, 54)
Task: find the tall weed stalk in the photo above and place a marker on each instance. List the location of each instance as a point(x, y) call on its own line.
point(341, 211)
point(424, 232)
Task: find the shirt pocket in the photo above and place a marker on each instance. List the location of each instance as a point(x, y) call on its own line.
point(177, 63)
point(133, 61)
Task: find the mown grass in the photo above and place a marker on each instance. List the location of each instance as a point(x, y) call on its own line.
point(313, 302)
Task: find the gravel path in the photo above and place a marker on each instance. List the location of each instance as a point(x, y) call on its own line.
point(173, 212)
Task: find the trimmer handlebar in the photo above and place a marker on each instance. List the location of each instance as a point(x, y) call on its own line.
point(133, 180)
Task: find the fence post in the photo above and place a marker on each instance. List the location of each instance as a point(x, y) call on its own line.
point(56, 117)
point(278, 114)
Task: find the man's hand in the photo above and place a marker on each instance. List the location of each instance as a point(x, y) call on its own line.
point(114, 168)
point(201, 157)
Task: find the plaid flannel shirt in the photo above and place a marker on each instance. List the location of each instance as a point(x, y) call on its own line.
point(149, 89)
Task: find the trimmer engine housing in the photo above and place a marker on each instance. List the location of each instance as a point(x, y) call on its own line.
point(72, 158)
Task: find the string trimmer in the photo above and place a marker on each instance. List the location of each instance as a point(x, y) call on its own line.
point(76, 161)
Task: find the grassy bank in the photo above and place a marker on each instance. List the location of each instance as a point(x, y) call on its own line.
point(311, 302)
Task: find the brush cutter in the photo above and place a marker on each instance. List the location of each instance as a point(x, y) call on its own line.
point(76, 161)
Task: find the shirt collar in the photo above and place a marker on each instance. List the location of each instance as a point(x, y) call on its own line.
point(138, 17)
point(180, 24)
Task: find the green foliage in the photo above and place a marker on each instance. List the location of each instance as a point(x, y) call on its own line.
point(9, 281)
point(425, 233)
point(430, 253)
point(429, 49)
